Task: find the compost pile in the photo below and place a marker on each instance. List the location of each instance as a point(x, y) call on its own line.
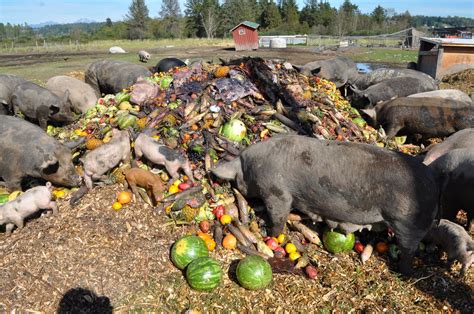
point(209, 113)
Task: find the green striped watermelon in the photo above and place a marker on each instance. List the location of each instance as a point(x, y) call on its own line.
point(204, 274)
point(338, 242)
point(186, 249)
point(254, 272)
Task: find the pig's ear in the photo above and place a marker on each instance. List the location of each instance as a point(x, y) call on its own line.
point(50, 165)
point(54, 109)
point(297, 67)
point(354, 88)
point(370, 112)
point(316, 70)
point(66, 96)
point(227, 171)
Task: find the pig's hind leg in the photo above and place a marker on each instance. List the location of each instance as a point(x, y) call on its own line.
point(466, 262)
point(278, 208)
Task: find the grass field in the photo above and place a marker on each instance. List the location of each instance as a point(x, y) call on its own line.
point(104, 45)
point(45, 62)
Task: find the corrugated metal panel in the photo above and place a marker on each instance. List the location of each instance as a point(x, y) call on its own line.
point(247, 23)
point(245, 38)
point(450, 41)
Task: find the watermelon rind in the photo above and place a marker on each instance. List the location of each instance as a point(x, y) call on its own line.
point(204, 274)
point(186, 249)
point(254, 272)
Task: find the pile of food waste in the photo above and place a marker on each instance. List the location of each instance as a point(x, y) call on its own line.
point(210, 113)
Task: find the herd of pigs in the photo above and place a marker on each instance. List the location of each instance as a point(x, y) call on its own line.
point(349, 186)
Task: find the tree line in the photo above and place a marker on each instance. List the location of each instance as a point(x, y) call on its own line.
point(214, 19)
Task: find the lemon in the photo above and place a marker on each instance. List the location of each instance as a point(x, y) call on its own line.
point(116, 206)
point(173, 189)
point(290, 248)
point(294, 256)
point(281, 238)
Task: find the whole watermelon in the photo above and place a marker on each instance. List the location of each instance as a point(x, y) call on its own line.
point(204, 274)
point(254, 272)
point(337, 242)
point(186, 249)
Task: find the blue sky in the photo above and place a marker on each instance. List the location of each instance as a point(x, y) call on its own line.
point(67, 11)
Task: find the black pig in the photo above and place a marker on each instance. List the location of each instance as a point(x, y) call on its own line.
point(428, 117)
point(342, 182)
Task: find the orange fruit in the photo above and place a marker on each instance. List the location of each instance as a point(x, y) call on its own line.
point(221, 71)
point(229, 242)
point(381, 247)
point(211, 244)
point(124, 197)
point(225, 219)
point(204, 236)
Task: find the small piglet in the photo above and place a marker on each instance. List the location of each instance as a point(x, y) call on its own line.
point(14, 212)
point(107, 156)
point(162, 155)
point(453, 239)
point(143, 56)
point(145, 179)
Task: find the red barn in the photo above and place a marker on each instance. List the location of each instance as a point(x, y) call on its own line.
point(245, 36)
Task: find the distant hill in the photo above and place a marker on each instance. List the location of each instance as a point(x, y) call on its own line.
point(84, 25)
point(35, 26)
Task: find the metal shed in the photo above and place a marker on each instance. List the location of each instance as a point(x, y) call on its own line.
point(245, 36)
point(442, 56)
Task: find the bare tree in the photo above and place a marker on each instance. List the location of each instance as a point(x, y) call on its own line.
point(210, 21)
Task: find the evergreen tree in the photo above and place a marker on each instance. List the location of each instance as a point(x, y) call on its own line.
point(270, 15)
point(237, 11)
point(310, 13)
point(193, 20)
point(137, 19)
point(289, 13)
point(170, 14)
point(346, 20)
point(108, 22)
point(378, 15)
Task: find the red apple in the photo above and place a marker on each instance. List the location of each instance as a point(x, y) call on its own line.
point(359, 247)
point(272, 243)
